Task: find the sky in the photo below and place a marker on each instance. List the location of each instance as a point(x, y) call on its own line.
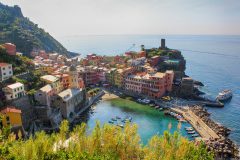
point(103, 17)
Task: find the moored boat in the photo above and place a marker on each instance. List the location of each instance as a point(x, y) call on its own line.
point(110, 122)
point(191, 132)
point(224, 95)
point(195, 135)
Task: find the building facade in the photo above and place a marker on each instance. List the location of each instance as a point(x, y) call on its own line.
point(153, 85)
point(6, 71)
point(14, 91)
point(11, 116)
point(44, 95)
point(69, 101)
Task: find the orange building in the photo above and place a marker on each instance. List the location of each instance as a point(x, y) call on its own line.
point(10, 48)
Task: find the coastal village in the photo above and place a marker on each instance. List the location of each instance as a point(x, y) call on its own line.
point(66, 87)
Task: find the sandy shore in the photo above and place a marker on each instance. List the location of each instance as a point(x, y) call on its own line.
point(108, 96)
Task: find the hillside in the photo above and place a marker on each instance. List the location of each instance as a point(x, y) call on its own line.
point(26, 35)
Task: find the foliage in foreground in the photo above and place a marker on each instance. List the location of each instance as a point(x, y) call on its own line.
point(107, 142)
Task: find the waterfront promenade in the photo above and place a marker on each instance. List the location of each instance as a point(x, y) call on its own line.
point(202, 128)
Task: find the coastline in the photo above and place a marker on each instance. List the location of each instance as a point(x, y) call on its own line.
point(216, 140)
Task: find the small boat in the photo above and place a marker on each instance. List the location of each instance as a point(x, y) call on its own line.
point(113, 119)
point(120, 125)
point(151, 105)
point(117, 117)
point(224, 95)
point(110, 122)
point(191, 132)
point(139, 100)
point(189, 129)
point(156, 107)
point(195, 135)
point(124, 121)
point(160, 109)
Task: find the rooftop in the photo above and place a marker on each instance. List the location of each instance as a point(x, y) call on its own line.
point(49, 78)
point(4, 64)
point(46, 88)
point(11, 110)
point(15, 85)
point(67, 94)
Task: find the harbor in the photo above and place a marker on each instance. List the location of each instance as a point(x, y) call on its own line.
point(119, 111)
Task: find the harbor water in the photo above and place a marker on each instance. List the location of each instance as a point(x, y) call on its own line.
point(213, 60)
point(150, 121)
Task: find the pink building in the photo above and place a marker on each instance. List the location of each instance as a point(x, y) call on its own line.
point(10, 48)
point(154, 85)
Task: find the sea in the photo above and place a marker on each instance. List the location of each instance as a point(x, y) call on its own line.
point(211, 59)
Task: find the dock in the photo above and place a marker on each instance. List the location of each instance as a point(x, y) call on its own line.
point(201, 127)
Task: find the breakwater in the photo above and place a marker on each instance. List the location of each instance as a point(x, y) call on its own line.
point(213, 134)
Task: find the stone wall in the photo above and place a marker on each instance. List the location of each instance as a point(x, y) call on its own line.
point(27, 109)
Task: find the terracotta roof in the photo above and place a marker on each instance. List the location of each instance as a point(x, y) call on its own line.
point(3, 64)
point(10, 109)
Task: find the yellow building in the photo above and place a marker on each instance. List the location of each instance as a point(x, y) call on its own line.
point(47, 69)
point(118, 78)
point(54, 82)
point(11, 116)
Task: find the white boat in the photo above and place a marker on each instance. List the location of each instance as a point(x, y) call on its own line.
point(224, 95)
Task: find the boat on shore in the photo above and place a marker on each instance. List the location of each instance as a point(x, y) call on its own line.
point(224, 95)
point(120, 125)
point(189, 129)
point(191, 132)
point(195, 135)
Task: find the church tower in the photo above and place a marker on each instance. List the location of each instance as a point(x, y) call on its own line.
point(73, 77)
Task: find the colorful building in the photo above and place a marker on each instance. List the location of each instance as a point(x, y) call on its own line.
point(74, 80)
point(69, 101)
point(110, 76)
point(44, 95)
point(154, 84)
point(118, 78)
point(14, 91)
point(53, 81)
point(11, 116)
point(6, 71)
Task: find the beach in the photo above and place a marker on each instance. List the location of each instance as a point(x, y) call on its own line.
point(108, 96)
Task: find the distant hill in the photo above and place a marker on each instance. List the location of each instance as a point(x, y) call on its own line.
point(26, 35)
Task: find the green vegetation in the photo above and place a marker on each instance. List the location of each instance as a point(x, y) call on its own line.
point(26, 35)
point(93, 92)
point(172, 54)
point(22, 64)
point(104, 143)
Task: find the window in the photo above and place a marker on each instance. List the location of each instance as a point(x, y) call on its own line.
point(4, 73)
point(3, 68)
point(8, 120)
point(10, 72)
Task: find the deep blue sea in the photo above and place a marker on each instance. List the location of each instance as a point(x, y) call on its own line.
point(214, 60)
